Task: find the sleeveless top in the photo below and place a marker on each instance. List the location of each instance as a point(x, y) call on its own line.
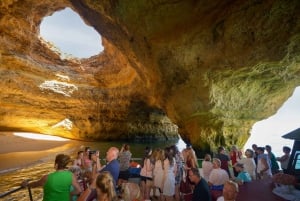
point(260, 166)
point(57, 186)
point(147, 170)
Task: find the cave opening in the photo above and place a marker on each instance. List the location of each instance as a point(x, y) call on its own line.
point(65, 33)
point(270, 131)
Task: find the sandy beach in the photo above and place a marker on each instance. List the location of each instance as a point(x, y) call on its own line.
point(14, 149)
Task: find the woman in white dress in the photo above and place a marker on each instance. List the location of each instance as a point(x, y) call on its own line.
point(158, 171)
point(170, 169)
point(146, 174)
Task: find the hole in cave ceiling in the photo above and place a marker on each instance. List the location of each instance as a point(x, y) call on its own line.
point(66, 33)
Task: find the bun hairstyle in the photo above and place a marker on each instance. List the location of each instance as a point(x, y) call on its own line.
point(62, 161)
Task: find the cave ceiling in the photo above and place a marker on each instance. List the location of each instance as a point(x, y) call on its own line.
point(205, 69)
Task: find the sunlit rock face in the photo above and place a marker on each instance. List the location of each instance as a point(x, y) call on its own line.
point(213, 68)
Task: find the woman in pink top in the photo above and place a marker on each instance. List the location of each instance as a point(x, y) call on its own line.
point(146, 174)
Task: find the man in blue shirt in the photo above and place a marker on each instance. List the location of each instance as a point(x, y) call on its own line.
point(113, 165)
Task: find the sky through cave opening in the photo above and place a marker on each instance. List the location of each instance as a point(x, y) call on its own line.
point(66, 33)
point(270, 131)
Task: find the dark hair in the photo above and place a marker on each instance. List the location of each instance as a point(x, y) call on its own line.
point(62, 160)
point(174, 150)
point(195, 171)
point(261, 149)
point(286, 149)
point(268, 147)
point(220, 149)
point(126, 147)
point(148, 151)
point(241, 165)
point(91, 153)
point(169, 155)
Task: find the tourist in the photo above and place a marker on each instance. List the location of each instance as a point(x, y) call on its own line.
point(243, 176)
point(224, 159)
point(112, 163)
point(284, 160)
point(112, 166)
point(57, 184)
point(94, 157)
point(179, 173)
point(87, 162)
point(79, 159)
point(263, 164)
point(189, 154)
point(235, 156)
point(158, 171)
point(76, 171)
point(249, 163)
point(274, 164)
point(201, 191)
point(218, 176)
point(147, 173)
point(230, 191)
point(254, 148)
point(170, 169)
point(190, 159)
point(190, 162)
point(124, 159)
point(207, 166)
point(104, 187)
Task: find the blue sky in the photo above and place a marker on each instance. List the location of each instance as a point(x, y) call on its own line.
point(68, 32)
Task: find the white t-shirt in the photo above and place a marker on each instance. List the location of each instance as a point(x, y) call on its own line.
point(207, 167)
point(249, 166)
point(218, 177)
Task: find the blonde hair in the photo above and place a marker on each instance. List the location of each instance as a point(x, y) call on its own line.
point(230, 190)
point(105, 184)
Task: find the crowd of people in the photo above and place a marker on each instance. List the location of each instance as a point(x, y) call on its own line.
point(165, 174)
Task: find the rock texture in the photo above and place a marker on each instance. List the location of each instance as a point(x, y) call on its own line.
point(213, 68)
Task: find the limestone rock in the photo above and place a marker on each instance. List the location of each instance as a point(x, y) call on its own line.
point(213, 68)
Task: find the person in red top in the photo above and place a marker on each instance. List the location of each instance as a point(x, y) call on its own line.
point(235, 156)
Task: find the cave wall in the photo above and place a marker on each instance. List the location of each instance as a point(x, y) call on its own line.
point(213, 68)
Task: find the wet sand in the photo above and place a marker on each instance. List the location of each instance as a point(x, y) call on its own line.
point(17, 152)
